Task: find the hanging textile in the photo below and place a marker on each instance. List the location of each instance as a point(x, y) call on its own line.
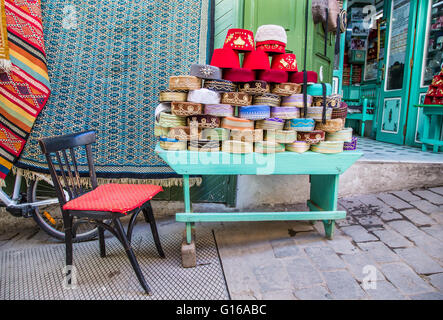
point(108, 61)
point(5, 63)
point(24, 90)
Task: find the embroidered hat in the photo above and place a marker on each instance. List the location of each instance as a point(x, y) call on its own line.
point(204, 96)
point(204, 145)
point(301, 124)
point(271, 38)
point(249, 135)
point(225, 58)
point(204, 121)
point(298, 146)
point(297, 77)
point(281, 136)
point(205, 71)
point(256, 60)
point(254, 112)
point(269, 147)
point(220, 85)
point(311, 137)
point(184, 83)
point(268, 99)
point(219, 110)
point(173, 95)
point(255, 87)
point(234, 146)
point(237, 98)
point(285, 112)
point(349, 146)
point(328, 147)
point(286, 88)
point(342, 135)
point(239, 39)
point(296, 100)
point(234, 123)
point(285, 61)
point(272, 75)
point(184, 109)
point(271, 123)
point(238, 75)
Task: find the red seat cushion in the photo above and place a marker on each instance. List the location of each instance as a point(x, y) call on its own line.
point(113, 197)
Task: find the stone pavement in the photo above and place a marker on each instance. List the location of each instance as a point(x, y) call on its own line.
point(389, 247)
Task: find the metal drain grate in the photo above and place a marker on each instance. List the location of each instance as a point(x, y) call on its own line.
point(37, 273)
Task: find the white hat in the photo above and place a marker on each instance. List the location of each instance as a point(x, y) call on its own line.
point(271, 32)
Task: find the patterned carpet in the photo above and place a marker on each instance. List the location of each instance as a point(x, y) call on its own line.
point(107, 61)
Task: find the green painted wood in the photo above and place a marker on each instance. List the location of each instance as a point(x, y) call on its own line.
point(259, 216)
point(222, 163)
point(228, 14)
point(418, 90)
point(324, 192)
point(393, 108)
point(291, 15)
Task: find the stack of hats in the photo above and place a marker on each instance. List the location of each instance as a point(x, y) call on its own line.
point(253, 107)
point(435, 91)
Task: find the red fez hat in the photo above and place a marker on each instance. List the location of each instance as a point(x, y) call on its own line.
point(239, 75)
point(271, 46)
point(297, 77)
point(225, 58)
point(239, 39)
point(273, 75)
point(428, 100)
point(256, 60)
point(285, 61)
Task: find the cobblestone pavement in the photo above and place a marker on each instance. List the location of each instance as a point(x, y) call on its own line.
point(394, 238)
point(389, 247)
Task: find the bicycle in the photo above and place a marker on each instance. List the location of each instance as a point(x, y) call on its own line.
point(40, 202)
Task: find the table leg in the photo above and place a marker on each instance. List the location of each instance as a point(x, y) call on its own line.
point(437, 132)
point(426, 126)
point(187, 199)
point(324, 194)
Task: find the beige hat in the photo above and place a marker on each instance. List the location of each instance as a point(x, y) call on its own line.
point(271, 32)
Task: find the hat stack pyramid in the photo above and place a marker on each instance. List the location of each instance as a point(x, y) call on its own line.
point(253, 107)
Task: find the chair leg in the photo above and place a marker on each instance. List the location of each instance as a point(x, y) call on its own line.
point(124, 240)
point(67, 223)
point(101, 241)
point(149, 218)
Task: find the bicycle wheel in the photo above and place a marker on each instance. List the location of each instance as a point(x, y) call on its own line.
point(49, 217)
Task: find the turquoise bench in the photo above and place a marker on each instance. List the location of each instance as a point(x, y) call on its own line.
point(324, 171)
point(431, 112)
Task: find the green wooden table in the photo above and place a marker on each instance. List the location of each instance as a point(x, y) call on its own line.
point(324, 171)
point(431, 111)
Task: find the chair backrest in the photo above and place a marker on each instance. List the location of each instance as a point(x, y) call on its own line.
point(63, 149)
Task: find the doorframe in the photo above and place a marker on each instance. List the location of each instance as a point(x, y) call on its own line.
point(403, 94)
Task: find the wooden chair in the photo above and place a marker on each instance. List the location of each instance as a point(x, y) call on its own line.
point(104, 205)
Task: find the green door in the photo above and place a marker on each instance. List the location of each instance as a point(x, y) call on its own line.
point(291, 15)
point(392, 111)
point(428, 58)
